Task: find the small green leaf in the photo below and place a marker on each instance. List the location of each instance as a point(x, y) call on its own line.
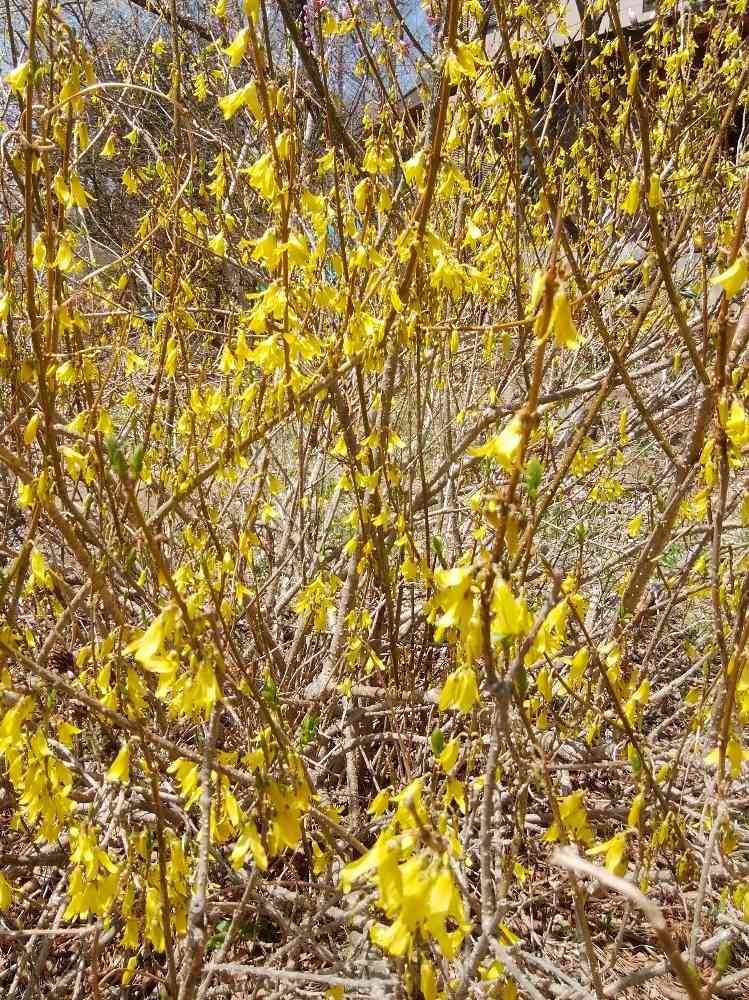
point(635, 760)
point(270, 691)
point(534, 470)
point(309, 729)
point(723, 958)
point(136, 462)
point(115, 456)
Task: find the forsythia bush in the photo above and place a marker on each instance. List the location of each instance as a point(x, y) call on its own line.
point(374, 573)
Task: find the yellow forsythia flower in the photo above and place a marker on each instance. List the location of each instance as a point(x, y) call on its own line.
point(655, 198)
point(78, 194)
point(632, 201)
point(238, 47)
point(634, 76)
point(6, 893)
point(565, 332)
point(510, 615)
point(64, 259)
point(217, 243)
point(449, 756)
point(414, 170)
point(379, 803)
point(633, 526)
point(18, 77)
point(120, 769)
point(615, 849)
point(245, 97)
point(733, 279)
point(460, 690)
point(39, 252)
point(31, 428)
point(504, 447)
